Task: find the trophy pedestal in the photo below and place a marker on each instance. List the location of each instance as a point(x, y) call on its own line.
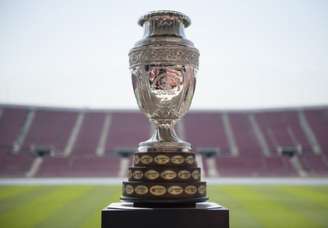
point(125, 215)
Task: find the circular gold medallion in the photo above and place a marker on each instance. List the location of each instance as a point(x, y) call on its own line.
point(177, 159)
point(202, 189)
point(137, 174)
point(129, 173)
point(136, 159)
point(151, 174)
point(162, 159)
point(146, 159)
point(184, 174)
point(141, 189)
point(190, 189)
point(129, 189)
point(189, 159)
point(157, 190)
point(168, 174)
point(175, 190)
point(195, 174)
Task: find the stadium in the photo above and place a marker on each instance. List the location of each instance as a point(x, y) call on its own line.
point(59, 148)
point(70, 126)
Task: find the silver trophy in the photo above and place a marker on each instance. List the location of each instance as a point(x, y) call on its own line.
point(164, 66)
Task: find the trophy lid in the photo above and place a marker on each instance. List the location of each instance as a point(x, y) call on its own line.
point(165, 15)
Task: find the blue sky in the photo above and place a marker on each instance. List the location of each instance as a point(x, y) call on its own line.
point(254, 54)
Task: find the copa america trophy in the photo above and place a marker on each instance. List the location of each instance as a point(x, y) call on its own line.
point(164, 173)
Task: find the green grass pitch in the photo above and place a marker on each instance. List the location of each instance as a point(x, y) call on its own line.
point(79, 206)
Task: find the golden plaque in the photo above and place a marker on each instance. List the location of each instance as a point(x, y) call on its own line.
point(151, 174)
point(168, 174)
point(189, 160)
point(162, 159)
point(157, 190)
point(177, 159)
point(137, 174)
point(175, 190)
point(129, 189)
point(190, 189)
point(184, 174)
point(146, 159)
point(129, 174)
point(141, 189)
point(136, 159)
point(202, 189)
point(195, 174)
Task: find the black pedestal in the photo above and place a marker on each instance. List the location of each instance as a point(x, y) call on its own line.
point(124, 215)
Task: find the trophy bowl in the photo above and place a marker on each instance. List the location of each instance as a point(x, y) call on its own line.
point(163, 67)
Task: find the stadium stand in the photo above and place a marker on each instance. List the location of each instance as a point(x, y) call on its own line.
point(54, 142)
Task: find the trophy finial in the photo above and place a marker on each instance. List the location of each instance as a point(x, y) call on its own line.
point(165, 15)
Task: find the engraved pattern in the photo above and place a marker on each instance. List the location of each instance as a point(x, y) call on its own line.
point(166, 54)
point(165, 15)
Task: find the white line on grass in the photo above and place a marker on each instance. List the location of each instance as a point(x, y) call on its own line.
point(110, 181)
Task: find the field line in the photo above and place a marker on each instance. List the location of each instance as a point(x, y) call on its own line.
point(111, 181)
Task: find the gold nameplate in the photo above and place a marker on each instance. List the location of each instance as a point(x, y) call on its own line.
point(162, 159)
point(129, 174)
point(190, 189)
point(157, 190)
point(141, 189)
point(136, 159)
point(195, 174)
point(189, 159)
point(129, 189)
point(137, 174)
point(177, 159)
point(168, 174)
point(201, 189)
point(175, 190)
point(146, 159)
point(184, 174)
point(152, 174)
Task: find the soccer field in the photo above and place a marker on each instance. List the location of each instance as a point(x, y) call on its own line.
point(79, 206)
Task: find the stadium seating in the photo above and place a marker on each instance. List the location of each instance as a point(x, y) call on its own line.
point(87, 143)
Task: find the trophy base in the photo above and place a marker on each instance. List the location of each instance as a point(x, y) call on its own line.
point(166, 202)
point(126, 215)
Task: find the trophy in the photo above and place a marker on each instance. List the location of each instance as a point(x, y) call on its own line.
point(164, 187)
point(163, 66)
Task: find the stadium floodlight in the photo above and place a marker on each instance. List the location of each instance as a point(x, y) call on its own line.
point(164, 184)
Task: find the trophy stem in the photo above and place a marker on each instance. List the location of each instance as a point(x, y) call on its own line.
point(165, 134)
point(164, 138)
